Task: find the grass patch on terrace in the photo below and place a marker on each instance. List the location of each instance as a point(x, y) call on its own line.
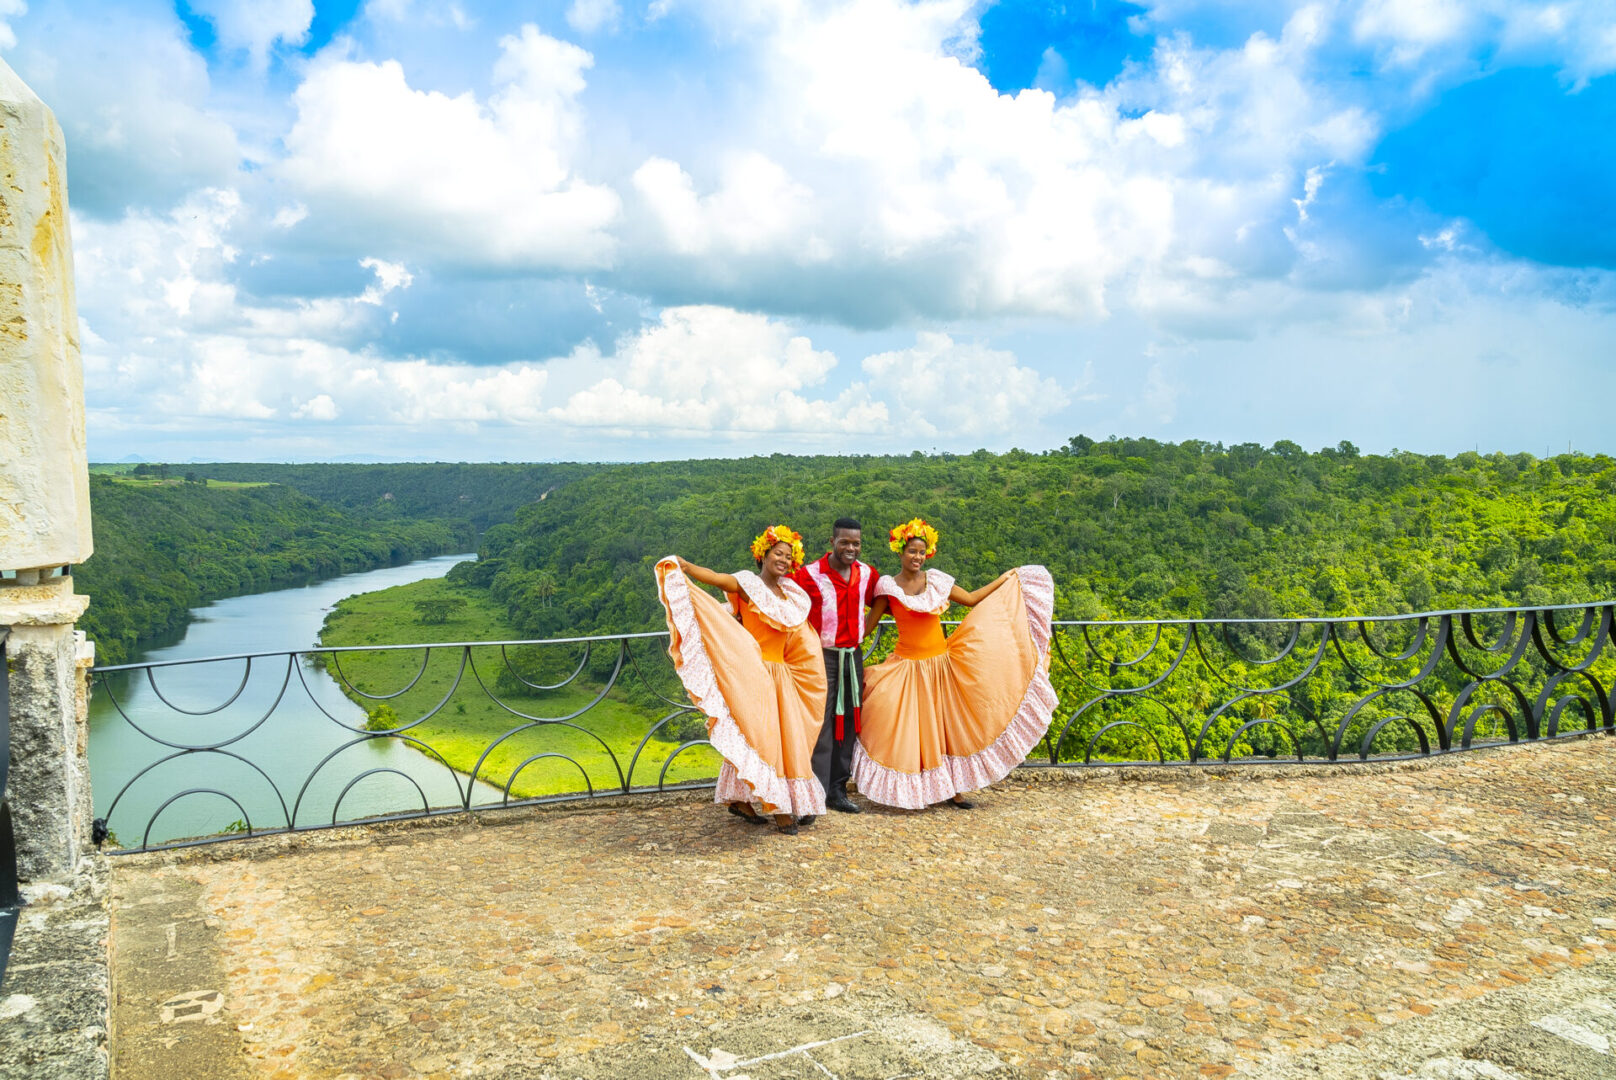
point(471, 720)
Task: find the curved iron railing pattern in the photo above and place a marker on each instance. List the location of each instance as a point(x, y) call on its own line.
point(1352, 688)
point(581, 718)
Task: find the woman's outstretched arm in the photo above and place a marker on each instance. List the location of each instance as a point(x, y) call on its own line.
point(872, 615)
point(725, 582)
point(959, 596)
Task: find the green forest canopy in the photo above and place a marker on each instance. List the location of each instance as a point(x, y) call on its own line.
point(170, 537)
point(162, 549)
point(1130, 528)
point(480, 494)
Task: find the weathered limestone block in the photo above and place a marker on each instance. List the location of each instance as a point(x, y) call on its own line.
point(44, 477)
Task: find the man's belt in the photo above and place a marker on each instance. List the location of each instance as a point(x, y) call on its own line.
point(847, 670)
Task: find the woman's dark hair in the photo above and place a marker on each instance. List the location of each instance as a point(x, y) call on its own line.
point(851, 524)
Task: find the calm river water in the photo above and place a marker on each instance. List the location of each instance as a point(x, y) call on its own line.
point(287, 746)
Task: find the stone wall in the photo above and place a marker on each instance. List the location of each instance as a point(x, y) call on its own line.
point(44, 491)
point(44, 477)
point(53, 1012)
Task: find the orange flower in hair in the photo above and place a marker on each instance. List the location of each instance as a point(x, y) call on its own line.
point(779, 534)
point(914, 529)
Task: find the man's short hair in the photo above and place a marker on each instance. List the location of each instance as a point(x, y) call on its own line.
point(851, 524)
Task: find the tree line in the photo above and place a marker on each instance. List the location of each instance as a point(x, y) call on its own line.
point(479, 494)
point(161, 550)
point(1131, 528)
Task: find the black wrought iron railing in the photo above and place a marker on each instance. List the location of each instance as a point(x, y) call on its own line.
point(197, 751)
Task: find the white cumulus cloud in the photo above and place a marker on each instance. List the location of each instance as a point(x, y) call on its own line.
point(169, 337)
point(1410, 27)
point(757, 206)
point(874, 175)
point(941, 386)
point(591, 16)
point(712, 369)
point(318, 407)
point(1455, 37)
point(10, 9)
point(256, 26)
point(454, 177)
point(389, 276)
point(133, 99)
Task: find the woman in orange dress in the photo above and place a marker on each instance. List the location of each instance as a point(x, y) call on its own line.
point(947, 715)
point(760, 680)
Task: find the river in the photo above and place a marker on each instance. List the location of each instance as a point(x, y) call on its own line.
point(287, 746)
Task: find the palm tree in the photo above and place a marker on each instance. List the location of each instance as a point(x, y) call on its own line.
point(1201, 697)
point(544, 587)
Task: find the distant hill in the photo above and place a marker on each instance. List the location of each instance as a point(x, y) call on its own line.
point(481, 494)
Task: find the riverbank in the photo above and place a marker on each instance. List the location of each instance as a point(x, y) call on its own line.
point(479, 703)
point(281, 717)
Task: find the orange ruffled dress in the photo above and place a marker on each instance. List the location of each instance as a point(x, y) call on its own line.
point(760, 682)
point(947, 715)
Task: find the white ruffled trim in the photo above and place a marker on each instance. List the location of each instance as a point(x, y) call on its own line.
point(807, 797)
point(1038, 594)
point(909, 791)
point(757, 781)
point(933, 601)
point(994, 762)
point(786, 614)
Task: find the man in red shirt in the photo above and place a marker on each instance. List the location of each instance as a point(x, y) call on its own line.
point(840, 589)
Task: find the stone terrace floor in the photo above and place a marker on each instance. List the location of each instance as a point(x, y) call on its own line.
point(1450, 921)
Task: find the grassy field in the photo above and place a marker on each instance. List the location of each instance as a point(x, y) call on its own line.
point(470, 721)
point(123, 473)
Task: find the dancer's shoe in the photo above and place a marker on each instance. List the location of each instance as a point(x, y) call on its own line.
point(840, 802)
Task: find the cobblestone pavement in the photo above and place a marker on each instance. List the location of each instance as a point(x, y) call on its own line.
point(1438, 922)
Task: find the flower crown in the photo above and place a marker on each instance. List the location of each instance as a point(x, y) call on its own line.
point(779, 534)
point(912, 530)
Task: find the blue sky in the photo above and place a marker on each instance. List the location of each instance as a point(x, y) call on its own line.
point(620, 229)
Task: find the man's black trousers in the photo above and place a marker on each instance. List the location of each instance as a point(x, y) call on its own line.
point(833, 757)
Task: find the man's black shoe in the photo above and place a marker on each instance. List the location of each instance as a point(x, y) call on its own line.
point(840, 801)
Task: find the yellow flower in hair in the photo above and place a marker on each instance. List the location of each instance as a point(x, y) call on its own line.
point(915, 528)
point(778, 534)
